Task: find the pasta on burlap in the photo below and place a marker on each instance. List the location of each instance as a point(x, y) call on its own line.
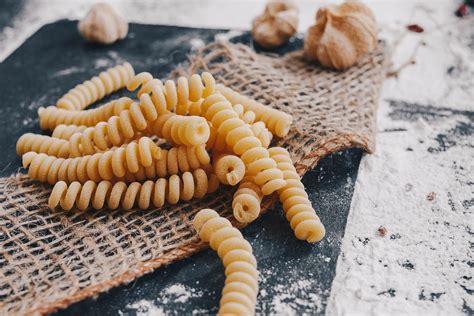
point(138, 242)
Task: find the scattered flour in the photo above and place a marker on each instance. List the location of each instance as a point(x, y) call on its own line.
point(176, 293)
point(418, 185)
point(68, 71)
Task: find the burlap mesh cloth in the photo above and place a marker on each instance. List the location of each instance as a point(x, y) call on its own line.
point(49, 260)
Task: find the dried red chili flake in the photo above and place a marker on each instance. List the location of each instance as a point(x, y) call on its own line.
point(462, 11)
point(382, 231)
point(415, 28)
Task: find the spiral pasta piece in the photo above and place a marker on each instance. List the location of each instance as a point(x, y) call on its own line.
point(246, 116)
point(179, 96)
point(181, 130)
point(52, 116)
point(90, 91)
point(239, 295)
point(100, 166)
point(179, 159)
point(299, 211)
point(229, 169)
point(142, 195)
point(278, 122)
point(42, 144)
point(234, 132)
point(262, 133)
point(65, 132)
point(247, 200)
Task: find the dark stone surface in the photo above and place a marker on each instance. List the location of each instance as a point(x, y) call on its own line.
point(55, 59)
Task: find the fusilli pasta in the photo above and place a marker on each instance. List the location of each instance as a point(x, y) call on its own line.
point(278, 122)
point(241, 285)
point(108, 165)
point(229, 169)
point(178, 96)
point(299, 211)
point(262, 133)
point(52, 116)
point(65, 132)
point(143, 195)
point(246, 201)
point(240, 137)
point(96, 88)
point(42, 144)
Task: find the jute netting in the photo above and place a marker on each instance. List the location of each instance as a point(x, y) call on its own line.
point(49, 260)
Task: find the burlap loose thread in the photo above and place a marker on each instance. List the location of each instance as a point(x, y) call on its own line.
point(49, 260)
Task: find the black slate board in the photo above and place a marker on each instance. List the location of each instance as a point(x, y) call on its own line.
point(55, 59)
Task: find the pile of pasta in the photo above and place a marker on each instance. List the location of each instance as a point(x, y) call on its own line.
point(174, 141)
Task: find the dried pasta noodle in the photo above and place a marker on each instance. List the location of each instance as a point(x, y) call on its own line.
point(278, 122)
point(239, 294)
point(234, 132)
point(90, 91)
point(246, 200)
point(179, 96)
point(52, 116)
point(108, 165)
point(42, 144)
point(299, 211)
point(229, 169)
point(190, 185)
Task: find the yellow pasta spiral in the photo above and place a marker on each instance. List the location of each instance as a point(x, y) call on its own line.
point(108, 165)
point(116, 131)
point(143, 195)
point(52, 116)
point(179, 159)
point(239, 294)
point(65, 132)
point(246, 200)
point(229, 169)
point(278, 122)
point(246, 116)
point(96, 88)
point(42, 144)
point(299, 211)
point(181, 130)
point(234, 132)
point(262, 133)
point(178, 96)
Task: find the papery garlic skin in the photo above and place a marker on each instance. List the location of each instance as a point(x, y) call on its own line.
point(276, 25)
point(103, 25)
point(342, 35)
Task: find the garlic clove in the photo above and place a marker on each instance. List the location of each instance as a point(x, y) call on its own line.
point(276, 25)
point(103, 24)
point(342, 35)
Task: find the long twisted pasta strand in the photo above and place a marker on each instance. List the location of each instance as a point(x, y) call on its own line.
point(239, 294)
point(96, 88)
point(278, 122)
point(177, 96)
point(100, 166)
point(65, 132)
point(52, 116)
point(299, 211)
point(143, 195)
point(42, 144)
point(262, 133)
point(234, 132)
point(179, 159)
point(247, 200)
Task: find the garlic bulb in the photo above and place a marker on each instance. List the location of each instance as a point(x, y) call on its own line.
point(103, 24)
point(342, 34)
point(276, 25)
